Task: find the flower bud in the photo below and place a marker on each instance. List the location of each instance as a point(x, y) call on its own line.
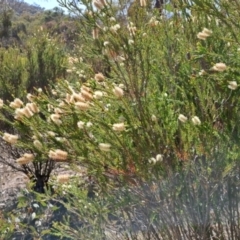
point(37, 144)
point(98, 94)
point(1, 103)
point(118, 92)
point(196, 120)
point(154, 118)
point(118, 127)
point(219, 67)
point(104, 147)
point(182, 118)
point(80, 124)
point(17, 103)
point(32, 107)
point(12, 139)
point(58, 155)
point(56, 118)
point(82, 106)
point(143, 3)
point(232, 85)
point(30, 97)
point(99, 77)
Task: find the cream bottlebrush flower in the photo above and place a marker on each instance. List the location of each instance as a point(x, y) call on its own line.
point(104, 147)
point(77, 97)
point(121, 85)
point(37, 144)
point(87, 95)
point(72, 60)
point(159, 158)
point(207, 31)
point(51, 134)
point(196, 120)
point(62, 104)
point(54, 92)
point(118, 92)
point(82, 106)
point(26, 112)
point(89, 124)
point(204, 34)
point(20, 112)
point(22, 161)
point(99, 4)
point(12, 139)
point(154, 118)
point(56, 119)
point(143, 3)
point(63, 178)
point(132, 29)
point(61, 139)
point(153, 22)
point(115, 28)
point(99, 77)
point(152, 160)
point(219, 67)
point(28, 156)
point(106, 43)
point(58, 155)
point(98, 94)
point(232, 85)
point(50, 107)
point(80, 124)
point(17, 103)
point(202, 72)
point(112, 19)
point(30, 97)
point(58, 111)
point(121, 59)
point(61, 154)
point(95, 33)
point(25, 159)
point(32, 107)
point(182, 118)
point(118, 127)
point(130, 42)
point(85, 88)
point(1, 103)
point(34, 137)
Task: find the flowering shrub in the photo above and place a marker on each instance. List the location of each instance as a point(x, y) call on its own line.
point(170, 95)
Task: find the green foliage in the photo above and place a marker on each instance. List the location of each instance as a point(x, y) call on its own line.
point(13, 73)
point(46, 61)
point(38, 65)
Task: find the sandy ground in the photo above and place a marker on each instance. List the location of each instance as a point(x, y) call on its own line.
point(10, 180)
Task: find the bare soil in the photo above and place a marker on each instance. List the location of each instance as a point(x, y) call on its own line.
point(10, 180)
